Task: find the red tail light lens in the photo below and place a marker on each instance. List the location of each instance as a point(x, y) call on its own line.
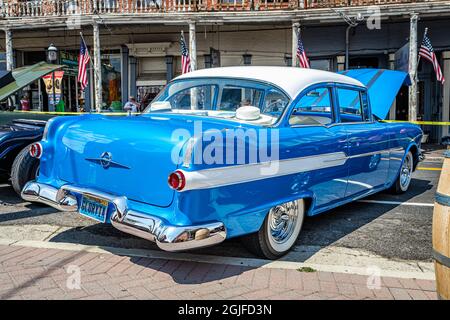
point(177, 180)
point(36, 150)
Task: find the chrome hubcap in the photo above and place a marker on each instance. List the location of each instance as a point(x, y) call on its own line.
point(282, 221)
point(405, 172)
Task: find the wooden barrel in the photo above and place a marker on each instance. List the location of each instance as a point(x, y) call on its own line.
point(441, 231)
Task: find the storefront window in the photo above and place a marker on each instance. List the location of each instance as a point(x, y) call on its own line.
point(2, 61)
point(111, 82)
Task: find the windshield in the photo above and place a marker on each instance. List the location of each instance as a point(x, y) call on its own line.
point(221, 97)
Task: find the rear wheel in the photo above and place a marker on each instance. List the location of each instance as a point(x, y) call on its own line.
point(24, 169)
point(279, 231)
point(403, 181)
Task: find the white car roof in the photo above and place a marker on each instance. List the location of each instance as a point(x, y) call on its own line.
point(292, 80)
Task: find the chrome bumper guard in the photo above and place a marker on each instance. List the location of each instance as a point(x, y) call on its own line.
point(167, 237)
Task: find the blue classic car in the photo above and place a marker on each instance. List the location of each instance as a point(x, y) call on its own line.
point(229, 152)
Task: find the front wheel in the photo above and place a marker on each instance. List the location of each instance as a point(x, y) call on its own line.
point(403, 181)
point(278, 232)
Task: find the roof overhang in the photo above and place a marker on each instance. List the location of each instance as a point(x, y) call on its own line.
point(25, 75)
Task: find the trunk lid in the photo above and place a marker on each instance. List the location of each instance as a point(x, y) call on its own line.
point(129, 156)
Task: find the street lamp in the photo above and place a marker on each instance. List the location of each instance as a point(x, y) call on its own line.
point(52, 57)
point(352, 22)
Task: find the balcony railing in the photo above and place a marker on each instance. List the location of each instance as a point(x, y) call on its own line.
point(43, 8)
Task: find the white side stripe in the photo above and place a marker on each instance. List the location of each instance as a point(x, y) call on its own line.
point(228, 175)
point(224, 176)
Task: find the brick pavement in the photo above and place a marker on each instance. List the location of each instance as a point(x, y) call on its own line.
point(36, 273)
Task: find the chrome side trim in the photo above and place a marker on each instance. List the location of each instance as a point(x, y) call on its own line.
point(168, 237)
point(223, 176)
point(234, 174)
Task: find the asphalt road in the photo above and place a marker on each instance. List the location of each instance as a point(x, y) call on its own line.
point(393, 231)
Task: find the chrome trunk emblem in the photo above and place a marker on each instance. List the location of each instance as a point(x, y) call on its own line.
point(105, 160)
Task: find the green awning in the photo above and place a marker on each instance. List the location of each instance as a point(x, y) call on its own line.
point(25, 75)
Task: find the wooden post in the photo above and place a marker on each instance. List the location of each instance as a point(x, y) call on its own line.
point(192, 46)
point(441, 231)
point(9, 50)
point(413, 67)
point(295, 31)
point(97, 69)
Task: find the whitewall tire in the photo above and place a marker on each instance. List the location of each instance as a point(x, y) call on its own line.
point(279, 231)
point(403, 181)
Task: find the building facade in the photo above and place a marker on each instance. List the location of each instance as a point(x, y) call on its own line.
point(134, 44)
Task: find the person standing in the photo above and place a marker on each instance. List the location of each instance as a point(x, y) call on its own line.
point(131, 106)
point(25, 103)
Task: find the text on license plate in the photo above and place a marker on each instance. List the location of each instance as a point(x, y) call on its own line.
point(94, 208)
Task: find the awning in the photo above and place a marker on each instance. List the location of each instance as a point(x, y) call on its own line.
point(382, 85)
point(25, 75)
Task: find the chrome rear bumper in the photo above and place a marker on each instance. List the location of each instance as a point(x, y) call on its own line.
point(167, 237)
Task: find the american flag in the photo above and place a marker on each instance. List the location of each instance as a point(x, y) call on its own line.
point(185, 60)
point(83, 61)
point(301, 54)
point(426, 51)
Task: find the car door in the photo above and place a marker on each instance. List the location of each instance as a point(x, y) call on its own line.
point(313, 120)
point(368, 142)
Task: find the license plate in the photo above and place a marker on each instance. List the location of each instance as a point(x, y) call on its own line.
point(94, 208)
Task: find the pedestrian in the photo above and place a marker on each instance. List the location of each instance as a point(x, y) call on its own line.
point(131, 105)
point(25, 103)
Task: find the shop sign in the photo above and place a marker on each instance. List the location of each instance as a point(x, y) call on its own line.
point(70, 60)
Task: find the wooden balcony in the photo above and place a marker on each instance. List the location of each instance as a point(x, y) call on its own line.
point(48, 8)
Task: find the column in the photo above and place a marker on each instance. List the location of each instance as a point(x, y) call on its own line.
point(413, 67)
point(295, 30)
point(133, 72)
point(97, 69)
point(393, 109)
point(124, 76)
point(192, 46)
point(9, 50)
point(169, 68)
point(446, 93)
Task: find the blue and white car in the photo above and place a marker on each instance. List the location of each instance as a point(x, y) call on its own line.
point(231, 152)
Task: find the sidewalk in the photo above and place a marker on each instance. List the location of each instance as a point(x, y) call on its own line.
point(38, 273)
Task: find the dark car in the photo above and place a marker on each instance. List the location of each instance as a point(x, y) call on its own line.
point(15, 160)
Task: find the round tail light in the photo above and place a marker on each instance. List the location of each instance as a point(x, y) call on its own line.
point(177, 180)
point(36, 150)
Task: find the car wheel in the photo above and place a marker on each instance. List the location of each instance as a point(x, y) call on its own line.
point(24, 169)
point(279, 231)
point(403, 181)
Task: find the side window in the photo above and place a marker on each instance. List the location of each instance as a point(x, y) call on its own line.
point(350, 106)
point(314, 108)
point(200, 97)
point(365, 106)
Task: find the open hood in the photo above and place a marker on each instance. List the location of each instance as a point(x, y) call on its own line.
point(383, 86)
point(25, 75)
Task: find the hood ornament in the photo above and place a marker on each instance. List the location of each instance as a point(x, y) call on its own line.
point(106, 161)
